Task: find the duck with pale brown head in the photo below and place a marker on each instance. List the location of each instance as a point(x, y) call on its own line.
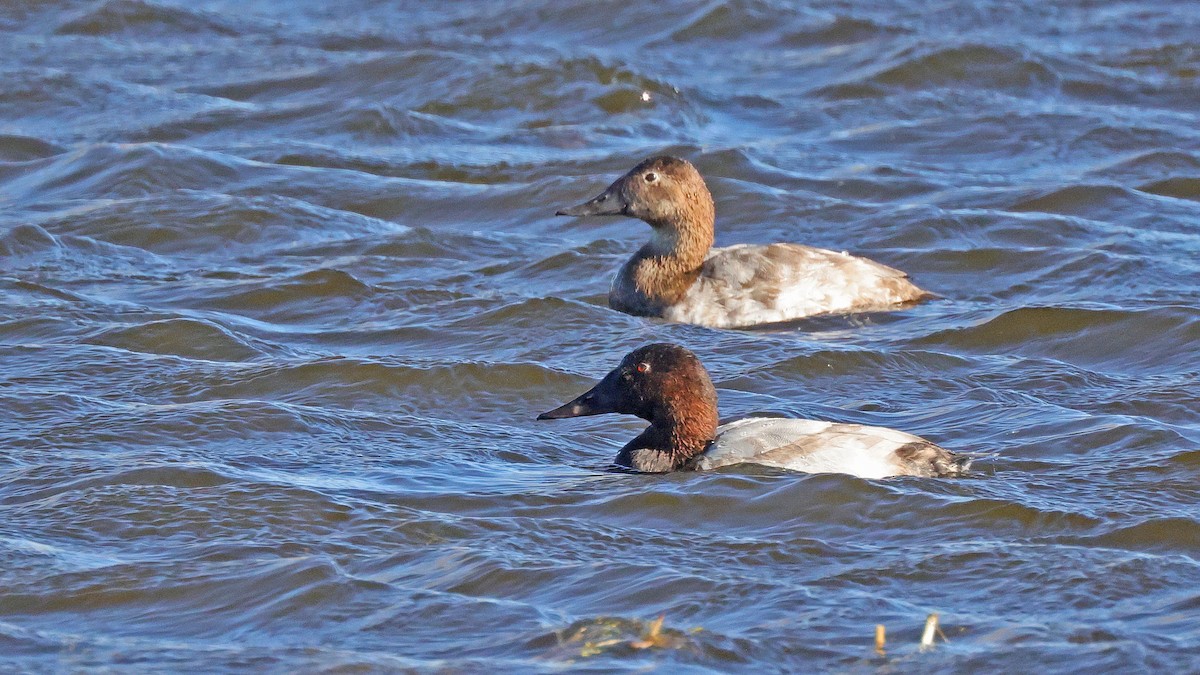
point(667, 386)
point(679, 276)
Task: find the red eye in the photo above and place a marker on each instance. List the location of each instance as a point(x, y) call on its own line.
point(643, 367)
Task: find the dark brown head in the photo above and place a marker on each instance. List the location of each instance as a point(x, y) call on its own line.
point(664, 384)
point(663, 191)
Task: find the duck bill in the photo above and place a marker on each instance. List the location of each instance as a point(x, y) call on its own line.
point(607, 203)
point(598, 400)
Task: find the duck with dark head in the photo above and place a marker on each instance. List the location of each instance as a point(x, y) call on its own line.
point(667, 386)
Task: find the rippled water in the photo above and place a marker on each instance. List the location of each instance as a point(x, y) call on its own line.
point(281, 292)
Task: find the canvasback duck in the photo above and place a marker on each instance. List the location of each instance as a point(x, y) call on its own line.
point(667, 385)
point(678, 276)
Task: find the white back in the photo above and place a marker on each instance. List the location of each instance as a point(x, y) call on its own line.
point(810, 446)
point(750, 284)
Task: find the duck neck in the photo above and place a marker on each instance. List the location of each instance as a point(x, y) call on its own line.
point(673, 438)
point(667, 266)
point(682, 242)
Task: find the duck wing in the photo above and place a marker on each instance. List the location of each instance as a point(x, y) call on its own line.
point(751, 284)
point(813, 446)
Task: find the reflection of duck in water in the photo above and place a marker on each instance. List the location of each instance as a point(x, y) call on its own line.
point(667, 386)
point(679, 277)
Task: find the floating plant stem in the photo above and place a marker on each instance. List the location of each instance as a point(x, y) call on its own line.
point(931, 629)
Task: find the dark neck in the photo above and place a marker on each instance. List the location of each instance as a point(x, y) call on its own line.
point(670, 442)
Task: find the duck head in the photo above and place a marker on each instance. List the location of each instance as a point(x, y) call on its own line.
point(664, 384)
point(663, 191)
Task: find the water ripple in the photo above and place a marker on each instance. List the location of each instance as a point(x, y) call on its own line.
point(282, 291)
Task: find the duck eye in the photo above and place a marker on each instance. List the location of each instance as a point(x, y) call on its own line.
point(643, 367)
point(651, 177)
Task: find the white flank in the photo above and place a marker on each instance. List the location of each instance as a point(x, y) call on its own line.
point(809, 446)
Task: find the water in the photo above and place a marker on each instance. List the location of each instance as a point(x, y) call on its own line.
point(281, 293)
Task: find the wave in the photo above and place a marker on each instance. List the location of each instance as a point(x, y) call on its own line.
point(121, 17)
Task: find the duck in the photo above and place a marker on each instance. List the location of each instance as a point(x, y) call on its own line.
point(679, 277)
point(666, 385)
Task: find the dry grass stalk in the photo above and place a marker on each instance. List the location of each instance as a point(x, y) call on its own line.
point(931, 629)
point(653, 636)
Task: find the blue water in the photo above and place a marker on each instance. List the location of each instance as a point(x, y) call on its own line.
point(281, 293)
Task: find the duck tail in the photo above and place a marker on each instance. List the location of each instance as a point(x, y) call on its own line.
point(926, 459)
point(953, 464)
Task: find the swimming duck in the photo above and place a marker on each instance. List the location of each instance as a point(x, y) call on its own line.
point(667, 385)
point(679, 277)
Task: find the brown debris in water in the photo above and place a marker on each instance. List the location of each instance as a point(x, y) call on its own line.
point(608, 634)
